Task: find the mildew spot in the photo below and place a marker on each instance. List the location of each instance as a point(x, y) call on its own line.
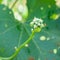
point(42, 38)
point(48, 38)
point(15, 48)
point(55, 51)
point(26, 45)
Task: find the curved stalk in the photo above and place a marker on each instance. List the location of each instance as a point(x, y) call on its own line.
point(19, 48)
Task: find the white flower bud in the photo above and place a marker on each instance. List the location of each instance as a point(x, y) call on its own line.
point(37, 23)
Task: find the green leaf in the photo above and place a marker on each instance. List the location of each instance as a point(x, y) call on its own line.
point(8, 31)
point(44, 9)
point(12, 34)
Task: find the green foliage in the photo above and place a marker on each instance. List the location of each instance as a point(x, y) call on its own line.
point(8, 31)
point(0, 1)
point(13, 33)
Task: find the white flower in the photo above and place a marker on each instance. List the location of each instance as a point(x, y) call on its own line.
point(37, 24)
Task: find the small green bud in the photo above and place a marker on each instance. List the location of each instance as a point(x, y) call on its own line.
point(37, 29)
point(54, 16)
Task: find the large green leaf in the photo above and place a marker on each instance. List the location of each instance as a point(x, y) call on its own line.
point(8, 31)
point(13, 34)
point(44, 9)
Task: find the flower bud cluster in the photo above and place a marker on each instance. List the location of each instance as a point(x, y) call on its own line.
point(37, 23)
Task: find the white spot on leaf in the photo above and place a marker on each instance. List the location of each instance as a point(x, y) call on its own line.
point(15, 48)
point(54, 51)
point(48, 38)
point(42, 38)
point(26, 45)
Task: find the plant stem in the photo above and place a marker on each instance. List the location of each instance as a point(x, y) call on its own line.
point(14, 4)
point(18, 49)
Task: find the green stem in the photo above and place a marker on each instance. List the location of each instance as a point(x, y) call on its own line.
point(18, 49)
